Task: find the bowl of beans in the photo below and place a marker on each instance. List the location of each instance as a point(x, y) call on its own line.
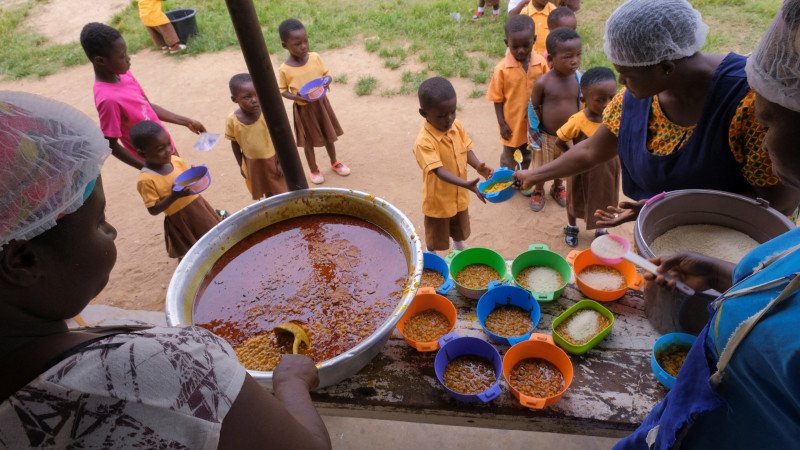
point(474, 268)
point(469, 368)
point(498, 188)
point(537, 372)
point(429, 317)
point(669, 354)
point(435, 273)
point(582, 326)
point(542, 272)
point(600, 281)
point(508, 314)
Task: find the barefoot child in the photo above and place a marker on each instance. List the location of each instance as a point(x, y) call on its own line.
point(443, 149)
point(120, 100)
point(187, 216)
point(251, 142)
point(315, 123)
point(511, 86)
point(555, 98)
point(598, 187)
point(495, 4)
point(159, 26)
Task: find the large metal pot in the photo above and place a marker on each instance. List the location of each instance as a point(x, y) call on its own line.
point(202, 256)
point(669, 311)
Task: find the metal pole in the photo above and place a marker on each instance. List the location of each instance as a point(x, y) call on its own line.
point(251, 41)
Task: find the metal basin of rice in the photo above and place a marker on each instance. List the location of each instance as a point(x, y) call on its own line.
point(194, 267)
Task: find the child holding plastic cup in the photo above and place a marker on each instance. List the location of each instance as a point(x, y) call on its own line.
point(315, 123)
point(187, 216)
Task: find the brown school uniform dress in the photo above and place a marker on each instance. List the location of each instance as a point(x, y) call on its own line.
point(314, 122)
point(595, 189)
point(444, 205)
point(187, 219)
point(259, 163)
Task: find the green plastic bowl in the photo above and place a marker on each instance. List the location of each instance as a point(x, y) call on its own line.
point(583, 304)
point(541, 255)
point(476, 255)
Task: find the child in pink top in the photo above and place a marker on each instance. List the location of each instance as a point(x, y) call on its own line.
point(120, 100)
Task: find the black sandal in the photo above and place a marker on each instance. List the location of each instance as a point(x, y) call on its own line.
point(571, 235)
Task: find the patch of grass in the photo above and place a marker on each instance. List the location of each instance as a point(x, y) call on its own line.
point(387, 93)
point(372, 45)
point(477, 93)
point(392, 64)
point(340, 79)
point(366, 85)
point(411, 81)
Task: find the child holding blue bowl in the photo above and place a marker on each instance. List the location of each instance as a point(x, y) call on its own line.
point(187, 216)
point(443, 149)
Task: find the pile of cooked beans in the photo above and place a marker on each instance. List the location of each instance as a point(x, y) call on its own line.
point(264, 351)
point(477, 276)
point(672, 359)
point(426, 326)
point(431, 278)
point(509, 321)
point(536, 378)
point(469, 375)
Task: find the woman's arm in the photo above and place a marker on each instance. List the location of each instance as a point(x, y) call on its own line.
point(599, 148)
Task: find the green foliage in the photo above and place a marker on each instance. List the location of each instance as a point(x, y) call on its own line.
point(366, 85)
point(340, 79)
point(477, 93)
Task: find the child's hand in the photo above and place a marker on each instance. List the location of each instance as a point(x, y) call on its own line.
point(505, 131)
point(185, 192)
point(613, 216)
point(195, 126)
point(473, 186)
point(485, 171)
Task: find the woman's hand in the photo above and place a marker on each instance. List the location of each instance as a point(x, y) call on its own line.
point(524, 179)
point(700, 272)
point(294, 368)
point(613, 216)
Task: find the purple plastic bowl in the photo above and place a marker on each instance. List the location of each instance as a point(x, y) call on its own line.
point(197, 178)
point(451, 347)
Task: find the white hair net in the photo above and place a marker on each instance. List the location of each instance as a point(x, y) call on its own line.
point(49, 154)
point(773, 69)
point(646, 32)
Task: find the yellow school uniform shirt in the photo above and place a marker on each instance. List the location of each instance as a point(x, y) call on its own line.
point(512, 86)
point(151, 13)
point(576, 125)
point(254, 139)
point(153, 186)
point(433, 149)
point(292, 79)
point(540, 22)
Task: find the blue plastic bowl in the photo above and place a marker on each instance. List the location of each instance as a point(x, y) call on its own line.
point(500, 175)
point(503, 295)
point(197, 178)
point(435, 262)
point(663, 343)
point(451, 347)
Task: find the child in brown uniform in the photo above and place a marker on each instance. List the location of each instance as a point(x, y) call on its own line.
point(251, 142)
point(555, 98)
point(315, 124)
point(598, 187)
point(443, 149)
point(511, 86)
point(187, 216)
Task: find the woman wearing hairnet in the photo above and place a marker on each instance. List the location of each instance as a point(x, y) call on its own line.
point(740, 384)
point(108, 388)
point(684, 121)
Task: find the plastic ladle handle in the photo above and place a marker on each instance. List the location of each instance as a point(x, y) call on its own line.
point(652, 268)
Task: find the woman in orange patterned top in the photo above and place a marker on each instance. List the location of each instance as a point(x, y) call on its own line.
point(685, 120)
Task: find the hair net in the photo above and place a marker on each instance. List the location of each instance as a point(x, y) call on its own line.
point(50, 155)
point(647, 32)
point(773, 69)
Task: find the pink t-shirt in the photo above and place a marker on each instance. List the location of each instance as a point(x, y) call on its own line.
point(122, 105)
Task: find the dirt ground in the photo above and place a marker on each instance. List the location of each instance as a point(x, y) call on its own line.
point(378, 136)
point(61, 21)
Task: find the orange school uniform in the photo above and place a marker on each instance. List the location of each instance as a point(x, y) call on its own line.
point(512, 86)
point(540, 22)
point(433, 149)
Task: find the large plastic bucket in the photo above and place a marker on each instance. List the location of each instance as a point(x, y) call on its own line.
point(184, 20)
point(581, 259)
point(458, 260)
point(453, 346)
point(427, 299)
point(668, 311)
point(541, 255)
point(539, 346)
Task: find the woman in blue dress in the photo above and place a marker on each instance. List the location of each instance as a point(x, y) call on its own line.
point(740, 384)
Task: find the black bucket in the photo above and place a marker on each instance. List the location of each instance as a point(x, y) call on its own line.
point(184, 21)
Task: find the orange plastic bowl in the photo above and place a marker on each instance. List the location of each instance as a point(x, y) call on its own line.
point(583, 259)
point(539, 346)
point(426, 299)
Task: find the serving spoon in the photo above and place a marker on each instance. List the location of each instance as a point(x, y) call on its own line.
point(298, 332)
